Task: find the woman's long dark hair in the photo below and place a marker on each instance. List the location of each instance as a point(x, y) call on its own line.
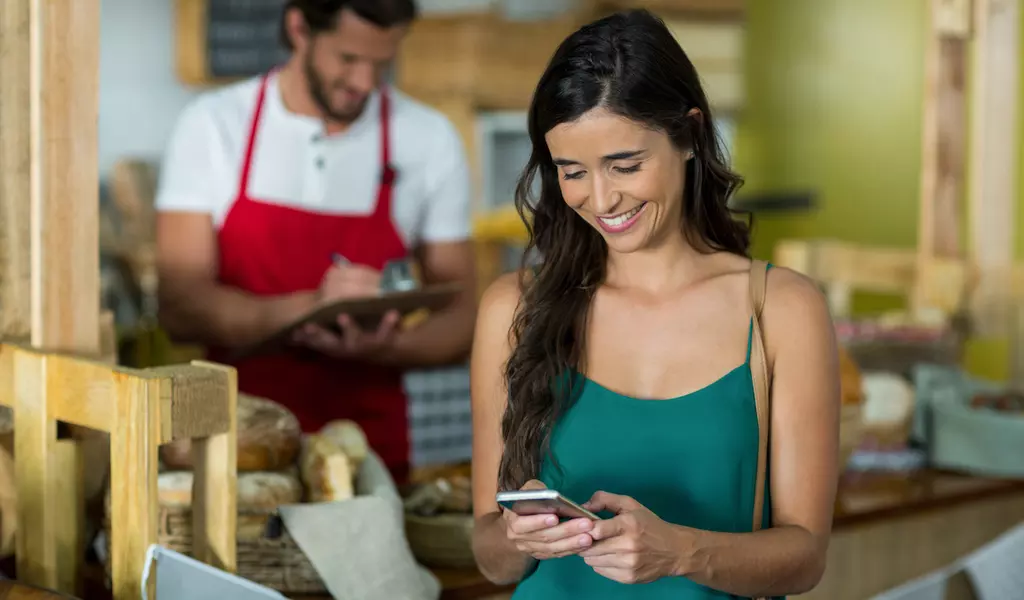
point(630, 64)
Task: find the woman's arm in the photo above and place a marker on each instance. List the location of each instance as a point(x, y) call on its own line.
point(789, 557)
point(496, 555)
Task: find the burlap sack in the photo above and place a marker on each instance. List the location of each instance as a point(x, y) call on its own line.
point(358, 546)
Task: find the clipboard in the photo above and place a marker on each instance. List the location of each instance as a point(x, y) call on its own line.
point(367, 312)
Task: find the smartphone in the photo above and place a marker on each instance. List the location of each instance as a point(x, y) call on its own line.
point(543, 502)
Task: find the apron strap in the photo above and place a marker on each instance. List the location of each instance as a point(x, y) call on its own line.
point(243, 183)
point(388, 173)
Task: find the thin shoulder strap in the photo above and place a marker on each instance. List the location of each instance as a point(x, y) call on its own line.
point(759, 372)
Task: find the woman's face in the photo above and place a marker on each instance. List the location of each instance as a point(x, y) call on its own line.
point(623, 178)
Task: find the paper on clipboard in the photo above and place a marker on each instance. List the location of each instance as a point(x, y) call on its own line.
point(365, 311)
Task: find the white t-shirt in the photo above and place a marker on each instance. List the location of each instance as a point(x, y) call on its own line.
point(297, 165)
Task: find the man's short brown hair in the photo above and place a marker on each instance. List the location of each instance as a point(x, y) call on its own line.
point(322, 15)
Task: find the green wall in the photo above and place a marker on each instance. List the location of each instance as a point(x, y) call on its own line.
point(834, 101)
point(834, 91)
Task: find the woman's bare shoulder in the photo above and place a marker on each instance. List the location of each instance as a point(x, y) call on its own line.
point(502, 296)
point(498, 306)
point(792, 292)
point(795, 308)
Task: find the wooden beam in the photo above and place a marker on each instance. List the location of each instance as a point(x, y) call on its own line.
point(64, 239)
point(140, 409)
point(843, 268)
point(15, 171)
point(65, 234)
point(708, 9)
point(992, 196)
point(35, 444)
point(944, 131)
point(944, 135)
point(49, 266)
point(80, 391)
point(190, 41)
point(133, 483)
point(214, 495)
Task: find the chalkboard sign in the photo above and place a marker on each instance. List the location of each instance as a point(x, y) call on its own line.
point(219, 41)
point(222, 40)
point(242, 37)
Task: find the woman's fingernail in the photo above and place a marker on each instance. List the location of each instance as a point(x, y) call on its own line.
point(584, 525)
point(551, 520)
point(584, 541)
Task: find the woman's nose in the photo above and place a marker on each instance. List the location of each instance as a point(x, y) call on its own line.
point(604, 198)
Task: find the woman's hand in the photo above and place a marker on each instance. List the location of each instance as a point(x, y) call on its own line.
point(542, 537)
point(634, 546)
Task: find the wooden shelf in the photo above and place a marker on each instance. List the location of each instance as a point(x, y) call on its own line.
point(493, 63)
point(712, 9)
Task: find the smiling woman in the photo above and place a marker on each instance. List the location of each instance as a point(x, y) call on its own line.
point(619, 370)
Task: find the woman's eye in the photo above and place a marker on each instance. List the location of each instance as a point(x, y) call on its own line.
point(632, 169)
point(576, 175)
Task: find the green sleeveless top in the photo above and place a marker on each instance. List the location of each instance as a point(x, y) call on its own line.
point(691, 460)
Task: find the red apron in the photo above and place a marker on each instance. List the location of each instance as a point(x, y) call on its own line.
point(269, 249)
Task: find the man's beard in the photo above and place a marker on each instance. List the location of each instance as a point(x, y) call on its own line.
point(318, 91)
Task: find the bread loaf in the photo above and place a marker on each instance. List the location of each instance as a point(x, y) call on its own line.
point(269, 438)
point(350, 438)
point(326, 470)
point(889, 400)
point(850, 379)
point(257, 491)
point(259, 495)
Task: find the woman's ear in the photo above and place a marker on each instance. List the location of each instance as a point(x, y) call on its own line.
point(698, 117)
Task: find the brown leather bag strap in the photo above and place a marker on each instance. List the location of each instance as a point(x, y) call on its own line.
point(759, 372)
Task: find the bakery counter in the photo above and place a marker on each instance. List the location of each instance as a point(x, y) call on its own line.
point(890, 529)
point(456, 584)
point(887, 530)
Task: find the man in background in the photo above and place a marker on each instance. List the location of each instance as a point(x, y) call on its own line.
point(293, 189)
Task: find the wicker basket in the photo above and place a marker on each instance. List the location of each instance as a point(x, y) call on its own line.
point(851, 432)
point(963, 438)
point(277, 563)
point(444, 540)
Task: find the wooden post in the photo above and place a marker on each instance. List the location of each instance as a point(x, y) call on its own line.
point(50, 302)
point(214, 521)
point(141, 409)
point(944, 147)
point(992, 194)
point(49, 270)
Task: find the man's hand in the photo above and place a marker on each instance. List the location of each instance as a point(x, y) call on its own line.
point(354, 342)
point(344, 281)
